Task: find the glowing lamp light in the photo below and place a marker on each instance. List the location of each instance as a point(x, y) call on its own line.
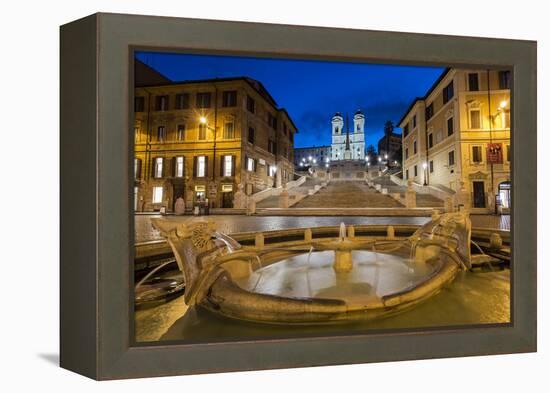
point(503, 104)
point(309, 158)
point(386, 156)
point(202, 120)
point(379, 158)
point(314, 161)
point(424, 165)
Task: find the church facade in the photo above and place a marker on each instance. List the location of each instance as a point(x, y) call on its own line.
point(348, 144)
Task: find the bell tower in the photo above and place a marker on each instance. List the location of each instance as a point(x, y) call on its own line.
point(338, 137)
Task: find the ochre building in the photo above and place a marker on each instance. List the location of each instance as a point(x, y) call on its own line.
point(458, 135)
point(201, 139)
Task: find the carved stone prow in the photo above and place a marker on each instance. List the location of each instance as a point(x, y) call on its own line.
point(195, 245)
point(452, 231)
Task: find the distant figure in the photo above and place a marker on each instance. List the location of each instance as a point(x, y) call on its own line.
point(179, 207)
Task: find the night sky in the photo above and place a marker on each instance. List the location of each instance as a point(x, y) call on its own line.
point(312, 91)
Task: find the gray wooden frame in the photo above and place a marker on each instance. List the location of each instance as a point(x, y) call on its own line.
point(96, 197)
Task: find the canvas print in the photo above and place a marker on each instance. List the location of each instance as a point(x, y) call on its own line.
point(280, 198)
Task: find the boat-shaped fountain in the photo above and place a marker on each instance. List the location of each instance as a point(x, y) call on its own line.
point(317, 280)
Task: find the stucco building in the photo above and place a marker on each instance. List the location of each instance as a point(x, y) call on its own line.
point(459, 132)
point(308, 156)
point(201, 139)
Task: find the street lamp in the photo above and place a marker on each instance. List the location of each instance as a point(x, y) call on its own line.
point(202, 120)
point(425, 165)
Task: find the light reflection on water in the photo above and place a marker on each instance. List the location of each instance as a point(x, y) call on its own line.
point(472, 299)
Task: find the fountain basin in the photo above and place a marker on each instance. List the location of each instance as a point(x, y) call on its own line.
point(315, 281)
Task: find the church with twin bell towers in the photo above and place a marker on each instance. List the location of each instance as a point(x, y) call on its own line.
point(348, 144)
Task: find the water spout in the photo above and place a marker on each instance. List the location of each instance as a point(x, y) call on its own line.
point(342, 231)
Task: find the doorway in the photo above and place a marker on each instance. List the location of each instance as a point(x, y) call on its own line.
point(479, 193)
point(504, 195)
point(227, 199)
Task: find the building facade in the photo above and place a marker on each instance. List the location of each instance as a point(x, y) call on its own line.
point(200, 140)
point(390, 145)
point(458, 134)
point(310, 156)
point(343, 139)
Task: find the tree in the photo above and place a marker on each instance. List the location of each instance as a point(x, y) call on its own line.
point(371, 151)
point(388, 127)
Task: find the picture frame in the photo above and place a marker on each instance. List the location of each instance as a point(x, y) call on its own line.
point(96, 199)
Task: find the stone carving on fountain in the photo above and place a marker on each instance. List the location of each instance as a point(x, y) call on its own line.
point(241, 282)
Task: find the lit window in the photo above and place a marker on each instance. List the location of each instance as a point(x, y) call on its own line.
point(158, 167)
point(227, 165)
point(272, 170)
point(250, 164)
point(161, 133)
point(201, 166)
point(157, 194)
point(179, 166)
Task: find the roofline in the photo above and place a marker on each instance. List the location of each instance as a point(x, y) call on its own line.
point(423, 98)
point(312, 147)
point(230, 79)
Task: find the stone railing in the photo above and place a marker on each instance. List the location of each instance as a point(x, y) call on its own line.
point(275, 191)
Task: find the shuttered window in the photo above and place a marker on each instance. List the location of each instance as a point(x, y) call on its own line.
point(476, 154)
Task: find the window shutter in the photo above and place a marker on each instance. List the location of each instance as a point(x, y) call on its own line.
point(164, 165)
point(233, 165)
point(138, 169)
point(255, 165)
point(245, 162)
point(222, 165)
point(195, 166)
point(205, 166)
point(153, 166)
point(174, 166)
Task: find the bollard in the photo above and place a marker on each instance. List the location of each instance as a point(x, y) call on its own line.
point(259, 240)
point(308, 236)
point(390, 232)
point(351, 231)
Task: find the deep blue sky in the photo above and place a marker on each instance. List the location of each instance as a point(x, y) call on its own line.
point(312, 91)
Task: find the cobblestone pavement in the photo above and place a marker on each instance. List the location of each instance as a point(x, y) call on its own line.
point(232, 224)
point(348, 194)
point(491, 221)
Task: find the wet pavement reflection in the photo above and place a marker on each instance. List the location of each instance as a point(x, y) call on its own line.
point(473, 298)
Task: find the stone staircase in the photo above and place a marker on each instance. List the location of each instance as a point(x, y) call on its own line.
point(348, 194)
point(295, 192)
point(422, 200)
